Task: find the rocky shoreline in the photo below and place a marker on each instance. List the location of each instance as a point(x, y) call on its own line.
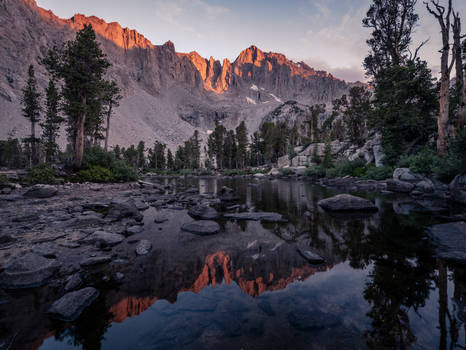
point(61, 235)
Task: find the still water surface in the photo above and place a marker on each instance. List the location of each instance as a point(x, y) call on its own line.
point(247, 288)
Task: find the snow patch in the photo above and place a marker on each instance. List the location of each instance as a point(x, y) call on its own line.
point(250, 101)
point(254, 87)
point(276, 98)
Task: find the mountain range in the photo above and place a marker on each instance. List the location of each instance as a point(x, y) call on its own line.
point(166, 94)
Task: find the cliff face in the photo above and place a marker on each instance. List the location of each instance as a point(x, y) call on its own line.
point(167, 95)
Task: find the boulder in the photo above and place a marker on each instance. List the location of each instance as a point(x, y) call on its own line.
point(283, 161)
point(133, 230)
point(311, 257)
point(143, 247)
point(399, 186)
point(274, 172)
point(347, 202)
point(458, 189)
point(41, 191)
point(300, 161)
point(202, 228)
point(69, 307)
point(256, 216)
point(95, 260)
point(203, 212)
point(450, 241)
point(159, 218)
point(404, 174)
point(425, 186)
point(124, 208)
point(73, 282)
point(105, 238)
point(30, 270)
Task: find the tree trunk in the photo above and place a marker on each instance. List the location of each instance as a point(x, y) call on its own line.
point(107, 130)
point(442, 121)
point(79, 149)
point(460, 81)
point(34, 159)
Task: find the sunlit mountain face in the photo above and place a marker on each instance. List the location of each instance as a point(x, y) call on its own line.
point(379, 284)
point(167, 94)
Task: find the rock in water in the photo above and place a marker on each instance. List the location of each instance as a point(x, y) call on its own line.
point(399, 186)
point(202, 212)
point(458, 189)
point(69, 307)
point(106, 238)
point(311, 257)
point(143, 247)
point(450, 240)
point(257, 216)
point(347, 202)
point(124, 208)
point(202, 228)
point(41, 191)
point(31, 270)
point(73, 282)
point(95, 260)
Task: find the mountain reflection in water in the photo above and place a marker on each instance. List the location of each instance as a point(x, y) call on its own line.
point(247, 287)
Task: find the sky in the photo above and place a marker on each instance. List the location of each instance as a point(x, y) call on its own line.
point(326, 34)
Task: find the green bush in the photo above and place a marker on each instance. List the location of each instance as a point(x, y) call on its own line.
point(3, 179)
point(287, 172)
point(123, 172)
point(95, 173)
point(315, 171)
point(346, 168)
point(454, 162)
point(424, 162)
point(42, 174)
point(377, 173)
point(98, 156)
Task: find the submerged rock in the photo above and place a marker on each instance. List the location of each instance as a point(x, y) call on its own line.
point(311, 257)
point(347, 202)
point(257, 216)
point(450, 240)
point(69, 307)
point(30, 270)
point(202, 228)
point(143, 247)
point(106, 238)
point(95, 260)
point(41, 191)
point(202, 212)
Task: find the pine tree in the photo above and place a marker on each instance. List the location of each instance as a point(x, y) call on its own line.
point(81, 65)
point(242, 147)
point(170, 160)
point(51, 125)
point(141, 162)
point(111, 100)
point(117, 152)
point(327, 162)
point(31, 111)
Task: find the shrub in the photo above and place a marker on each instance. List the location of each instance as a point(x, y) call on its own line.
point(123, 172)
point(286, 172)
point(98, 156)
point(3, 179)
point(454, 162)
point(95, 173)
point(346, 168)
point(378, 173)
point(424, 162)
point(315, 171)
point(42, 174)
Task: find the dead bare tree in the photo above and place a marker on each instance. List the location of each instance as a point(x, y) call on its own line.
point(443, 16)
point(460, 82)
